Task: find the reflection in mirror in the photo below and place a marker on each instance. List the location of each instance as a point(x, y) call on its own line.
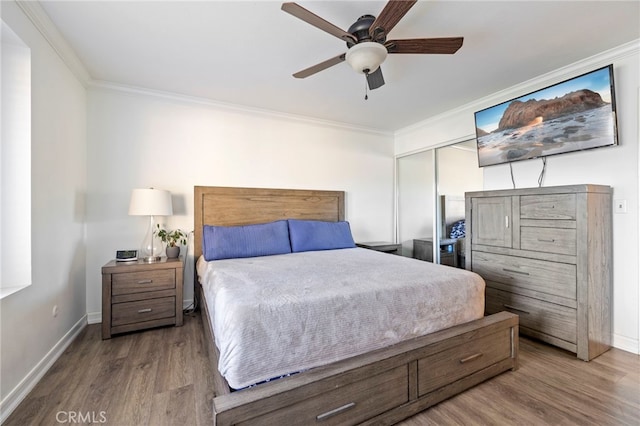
point(416, 198)
point(430, 201)
point(457, 173)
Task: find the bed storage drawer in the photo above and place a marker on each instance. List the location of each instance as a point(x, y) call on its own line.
point(346, 405)
point(143, 310)
point(540, 276)
point(537, 315)
point(460, 361)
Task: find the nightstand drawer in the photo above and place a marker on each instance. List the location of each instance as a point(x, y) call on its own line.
point(142, 310)
point(138, 282)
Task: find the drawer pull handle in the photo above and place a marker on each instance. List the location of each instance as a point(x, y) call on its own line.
point(471, 358)
point(516, 309)
point(145, 281)
point(335, 411)
point(144, 311)
point(515, 271)
point(542, 240)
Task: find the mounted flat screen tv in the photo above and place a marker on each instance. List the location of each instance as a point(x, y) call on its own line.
point(574, 115)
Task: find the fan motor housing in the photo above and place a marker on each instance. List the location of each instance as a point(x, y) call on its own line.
point(360, 30)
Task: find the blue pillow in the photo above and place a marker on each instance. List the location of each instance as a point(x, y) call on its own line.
point(229, 242)
point(457, 230)
point(308, 235)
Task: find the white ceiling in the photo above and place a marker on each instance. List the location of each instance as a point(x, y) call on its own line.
point(244, 52)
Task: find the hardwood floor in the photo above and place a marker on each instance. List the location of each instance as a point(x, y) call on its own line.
point(162, 377)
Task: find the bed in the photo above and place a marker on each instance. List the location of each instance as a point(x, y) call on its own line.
point(383, 382)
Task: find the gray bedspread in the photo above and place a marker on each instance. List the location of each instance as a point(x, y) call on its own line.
point(275, 315)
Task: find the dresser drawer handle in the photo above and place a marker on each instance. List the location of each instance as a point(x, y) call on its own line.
point(145, 281)
point(513, 308)
point(542, 240)
point(144, 311)
point(471, 358)
point(331, 413)
point(515, 271)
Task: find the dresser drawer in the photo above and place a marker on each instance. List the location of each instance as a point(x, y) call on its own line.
point(455, 363)
point(138, 282)
point(357, 401)
point(142, 310)
point(557, 206)
point(548, 318)
point(557, 279)
point(548, 240)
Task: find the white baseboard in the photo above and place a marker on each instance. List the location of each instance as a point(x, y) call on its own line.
point(17, 394)
point(626, 344)
point(187, 304)
point(96, 317)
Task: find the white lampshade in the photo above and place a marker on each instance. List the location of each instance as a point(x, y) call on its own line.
point(366, 56)
point(150, 202)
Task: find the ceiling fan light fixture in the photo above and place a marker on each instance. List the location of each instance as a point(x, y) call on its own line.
point(365, 57)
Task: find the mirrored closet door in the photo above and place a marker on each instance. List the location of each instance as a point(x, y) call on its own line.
point(457, 173)
point(430, 201)
point(415, 199)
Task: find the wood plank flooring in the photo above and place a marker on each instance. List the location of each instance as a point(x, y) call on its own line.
point(162, 377)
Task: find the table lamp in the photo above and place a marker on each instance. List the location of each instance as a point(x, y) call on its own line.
point(150, 202)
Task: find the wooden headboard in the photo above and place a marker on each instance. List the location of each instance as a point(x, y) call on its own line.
point(225, 206)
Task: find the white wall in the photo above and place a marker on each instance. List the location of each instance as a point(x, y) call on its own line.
point(30, 335)
point(615, 166)
point(138, 139)
point(457, 170)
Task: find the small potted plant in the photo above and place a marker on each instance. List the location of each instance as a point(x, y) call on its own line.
point(174, 239)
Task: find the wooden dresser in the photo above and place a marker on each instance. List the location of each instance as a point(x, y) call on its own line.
point(138, 295)
point(545, 254)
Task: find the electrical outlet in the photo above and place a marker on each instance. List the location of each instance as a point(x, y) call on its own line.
point(620, 206)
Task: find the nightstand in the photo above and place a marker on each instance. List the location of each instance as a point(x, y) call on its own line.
point(139, 295)
point(382, 246)
point(423, 250)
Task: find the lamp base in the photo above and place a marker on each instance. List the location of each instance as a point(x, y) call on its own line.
point(152, 259)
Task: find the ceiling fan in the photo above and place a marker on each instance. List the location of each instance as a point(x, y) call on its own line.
point(367, 40)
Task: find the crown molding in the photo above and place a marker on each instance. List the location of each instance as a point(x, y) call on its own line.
point(36, 14)
point(266, 113)
point(601, 59)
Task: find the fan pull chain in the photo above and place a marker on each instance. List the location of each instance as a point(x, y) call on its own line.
point(366, 87)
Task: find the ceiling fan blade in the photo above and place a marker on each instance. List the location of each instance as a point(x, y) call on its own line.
point(444, 45)
point(393, 11)
point(313, 19)
point(375, 79)
point(321, 66)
